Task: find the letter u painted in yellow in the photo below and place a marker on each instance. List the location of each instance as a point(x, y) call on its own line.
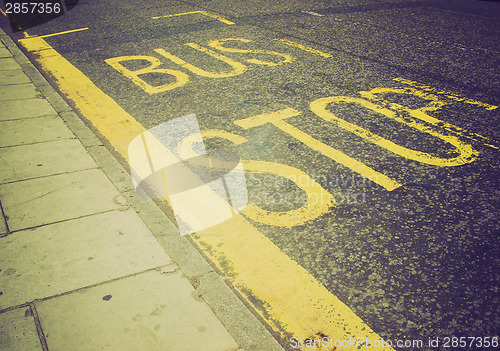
point(237, 68)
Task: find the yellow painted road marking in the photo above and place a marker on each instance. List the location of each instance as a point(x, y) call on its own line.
point(115, 124)
point(237, 68)
point(293, 301)
point(313, 13)
point(290, 299)
point(466, 153)
point(205, 13)
point(303, 47)
point(422, 113)
point(219, 45)
point(318, 200)
point(445, 93)
point(3, 13)
point(181, 78)
point(277, 118)
point(54, 34)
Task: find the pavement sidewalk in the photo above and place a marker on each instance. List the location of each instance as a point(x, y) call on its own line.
point(86, 264)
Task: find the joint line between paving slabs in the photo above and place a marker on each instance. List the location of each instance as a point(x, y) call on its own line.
point(11, 308)
point(157, 268)
point(33, 117)
point(39, 329)
point(37, 142)
point(62, 221)
point(48, 175)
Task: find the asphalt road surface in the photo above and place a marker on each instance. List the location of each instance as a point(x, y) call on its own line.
point(386, 111)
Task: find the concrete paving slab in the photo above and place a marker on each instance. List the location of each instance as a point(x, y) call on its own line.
point(43, 159)
point(18, 91)
point(18, 331)
point(33, 130)
point(251, 336)
point(14, 77)
point(28, 108)
point(7, 64)
point(40, 201)
point(5, 53)
point(151, 311)
point(49, 260)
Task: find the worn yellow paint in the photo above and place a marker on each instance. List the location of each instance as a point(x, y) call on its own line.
point(449, 95)
point(435, 104)
point(55, 34)
point(205, 13)
point(217, 133)
point(237, 68)
point(294, 302)
point(318, 202)
point(181, 78)
point(305, 48)
point(466, 153)
point(277, 118)
point(219, 44)
point(186, 150)
point(3, 13)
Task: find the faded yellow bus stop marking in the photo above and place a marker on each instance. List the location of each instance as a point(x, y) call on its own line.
point(451, 96)
point(294, 302)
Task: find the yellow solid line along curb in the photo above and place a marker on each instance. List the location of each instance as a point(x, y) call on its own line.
point(284, 293)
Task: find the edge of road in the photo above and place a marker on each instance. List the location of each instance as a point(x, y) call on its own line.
point(244, 325)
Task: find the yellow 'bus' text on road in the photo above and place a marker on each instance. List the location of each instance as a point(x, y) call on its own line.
point(182, 78)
